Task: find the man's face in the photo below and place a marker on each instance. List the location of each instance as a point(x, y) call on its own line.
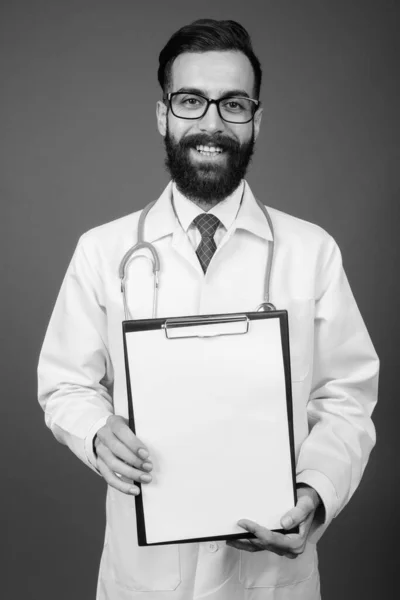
point(203, 177)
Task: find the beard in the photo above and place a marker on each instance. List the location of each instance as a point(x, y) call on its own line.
point(207, 181)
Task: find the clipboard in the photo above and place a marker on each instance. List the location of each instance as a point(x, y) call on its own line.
point(211, 398)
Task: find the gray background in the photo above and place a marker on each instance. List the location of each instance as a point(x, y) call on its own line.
point(79, 147)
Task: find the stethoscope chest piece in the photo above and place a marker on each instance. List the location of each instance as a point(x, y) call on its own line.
point(265, 307)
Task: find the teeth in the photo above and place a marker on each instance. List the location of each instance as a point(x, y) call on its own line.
point(208, 149)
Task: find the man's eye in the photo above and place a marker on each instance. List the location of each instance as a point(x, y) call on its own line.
point(191, 101)
point(233, 105)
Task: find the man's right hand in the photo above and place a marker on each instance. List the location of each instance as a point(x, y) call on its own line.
point(120, 451)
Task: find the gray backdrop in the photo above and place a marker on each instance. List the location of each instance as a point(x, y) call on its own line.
point(79, 147)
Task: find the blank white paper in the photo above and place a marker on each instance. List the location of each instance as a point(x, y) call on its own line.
point(213, 414)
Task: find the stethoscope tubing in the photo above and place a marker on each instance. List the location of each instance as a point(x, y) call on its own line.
point(141, 244)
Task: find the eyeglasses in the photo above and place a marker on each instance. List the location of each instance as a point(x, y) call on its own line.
point(232, 109)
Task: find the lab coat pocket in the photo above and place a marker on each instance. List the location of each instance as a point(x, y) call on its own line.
point(151, 569)
point(266, 569)
point(301, 335)
point(142, 569)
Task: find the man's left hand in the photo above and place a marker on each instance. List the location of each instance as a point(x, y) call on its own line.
point(290, 545)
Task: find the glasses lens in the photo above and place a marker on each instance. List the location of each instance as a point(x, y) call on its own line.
point(237, 110)
point(188, 106)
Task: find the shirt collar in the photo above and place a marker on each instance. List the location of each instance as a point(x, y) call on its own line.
point(162, 219)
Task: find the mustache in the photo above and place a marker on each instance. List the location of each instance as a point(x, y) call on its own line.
point(199, 139)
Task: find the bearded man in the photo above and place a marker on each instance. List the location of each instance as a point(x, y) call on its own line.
point(213, 242)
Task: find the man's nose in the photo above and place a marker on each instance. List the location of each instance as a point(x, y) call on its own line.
point(211, 120)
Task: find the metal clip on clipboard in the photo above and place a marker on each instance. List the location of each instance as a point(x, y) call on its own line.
point(208, 326)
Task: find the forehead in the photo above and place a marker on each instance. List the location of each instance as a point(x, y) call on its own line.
point(213, 72)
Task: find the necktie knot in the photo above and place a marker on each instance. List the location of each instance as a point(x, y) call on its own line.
point(207, 226)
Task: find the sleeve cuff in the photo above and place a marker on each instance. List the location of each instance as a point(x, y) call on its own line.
point(325, 489)
point(88, 444)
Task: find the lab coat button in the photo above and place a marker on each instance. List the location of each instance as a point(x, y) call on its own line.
point(212, 547)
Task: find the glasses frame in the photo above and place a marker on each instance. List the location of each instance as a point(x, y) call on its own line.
point(167, 99)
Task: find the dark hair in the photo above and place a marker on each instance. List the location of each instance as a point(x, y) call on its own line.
point(206, 35)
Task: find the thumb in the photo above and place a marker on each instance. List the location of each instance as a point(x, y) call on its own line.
point(298, 514)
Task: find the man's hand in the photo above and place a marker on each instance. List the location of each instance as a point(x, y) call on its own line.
point(122, 456)
point(291, 544)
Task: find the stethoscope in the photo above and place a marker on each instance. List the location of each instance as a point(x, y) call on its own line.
point(266, 305)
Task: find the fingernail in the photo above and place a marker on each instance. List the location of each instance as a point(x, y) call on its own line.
point(143, 453)
point(287, 522)
point(146, 478)
point(134, 491)
point(147, 466)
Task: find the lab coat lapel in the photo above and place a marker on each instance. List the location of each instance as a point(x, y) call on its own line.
point(182, 245)
point(250, 217)
point(162, 221)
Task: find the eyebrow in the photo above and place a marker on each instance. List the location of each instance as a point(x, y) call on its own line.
point(224, 94)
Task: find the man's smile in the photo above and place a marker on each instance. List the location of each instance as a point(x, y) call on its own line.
point(208, 153)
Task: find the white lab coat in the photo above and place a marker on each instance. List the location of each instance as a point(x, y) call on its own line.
point(334, 376)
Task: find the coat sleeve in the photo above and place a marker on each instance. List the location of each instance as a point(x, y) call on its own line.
point(75, 374)
point(343, 395)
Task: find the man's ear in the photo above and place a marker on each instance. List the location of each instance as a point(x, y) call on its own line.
point(257, 121)
point(161, 113)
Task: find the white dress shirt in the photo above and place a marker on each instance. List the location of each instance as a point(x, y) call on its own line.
point(226, 211)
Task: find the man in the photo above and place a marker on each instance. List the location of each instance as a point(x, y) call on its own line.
point(210, 117)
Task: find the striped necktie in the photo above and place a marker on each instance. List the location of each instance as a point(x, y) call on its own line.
point(207, 225)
